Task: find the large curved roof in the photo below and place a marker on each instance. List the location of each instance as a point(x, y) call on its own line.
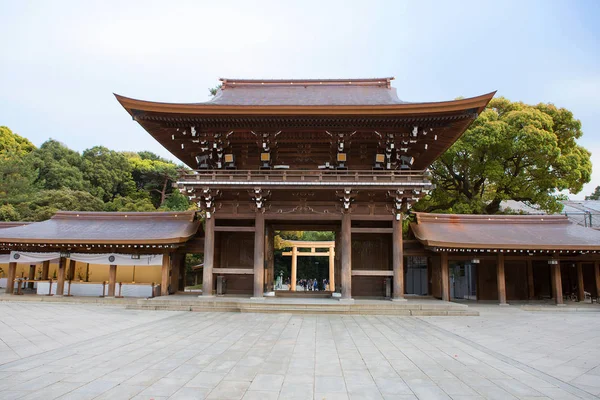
point(107, 228)
point(514, 232)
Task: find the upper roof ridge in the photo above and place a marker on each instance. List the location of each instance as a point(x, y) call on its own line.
point(231, 82)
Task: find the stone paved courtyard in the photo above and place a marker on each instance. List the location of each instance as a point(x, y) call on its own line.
point(74, 351)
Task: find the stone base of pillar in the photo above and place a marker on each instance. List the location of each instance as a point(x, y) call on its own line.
point(399, 299)
point(206, 296)
point(504, 304)
point(561, 305)
point(346, 301)
point(257, 298)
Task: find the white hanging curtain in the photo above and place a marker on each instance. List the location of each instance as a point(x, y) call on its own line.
point(118, 259)
point(4, 258)
point(28, 257)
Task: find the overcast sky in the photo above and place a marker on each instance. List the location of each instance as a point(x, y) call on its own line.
point(62, 60)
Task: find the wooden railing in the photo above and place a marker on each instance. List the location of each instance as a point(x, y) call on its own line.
point(306, 176)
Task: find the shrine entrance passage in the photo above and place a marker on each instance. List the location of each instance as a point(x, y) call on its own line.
point(299, 245)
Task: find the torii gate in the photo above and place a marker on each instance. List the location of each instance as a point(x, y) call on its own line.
point(313, 246)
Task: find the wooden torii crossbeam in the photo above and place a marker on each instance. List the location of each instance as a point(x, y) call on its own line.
point(313, 246)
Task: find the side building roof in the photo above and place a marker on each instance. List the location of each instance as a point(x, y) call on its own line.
point(508, 232)
point(78, 228)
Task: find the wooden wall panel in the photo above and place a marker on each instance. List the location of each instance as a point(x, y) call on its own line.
point(589, 280)
point(237, 250)
point(436, 276)
point(371, 251)
point(368, 286)
point(487, 284)
point(516, 280)
point(239, 284)
point(541, 279)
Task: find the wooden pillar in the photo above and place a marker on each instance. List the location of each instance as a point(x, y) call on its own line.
point(10, 278)
point(530, 283)
point(580, 286)
point(332, 269)
point(259, 255)
point(294, 277)
point(346, 256)
point(397, 260)
point(209, 257)
point(445, 276)
point(164, 281)
point(72, 264)
point(60, 276)
point(597, 275)
point(112, 280)
point(45, 270)
point(270, 257)
point(501, 278)
point(557, 283)
point(175, 270)
point(31, 276)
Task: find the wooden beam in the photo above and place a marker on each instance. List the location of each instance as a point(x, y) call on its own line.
point(580, 285)
point(45, 270)
point(397, 260)
point(501, 278)
point(294, 274)
point(259, 255)
point(557, 284)
point(234, 229)
point(209, 256)
point(307, 253)
point(233, 271)
point(112, 280)
point(164, 276)
point(445, 276)
point(60, 283)
point(358, 272)
point(372, 230)
point(346, 256)
point(530, 282)
point(10, 278)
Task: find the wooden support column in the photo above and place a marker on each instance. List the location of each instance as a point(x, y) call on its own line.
point(112, 280)
point(45, 270)
point(445, 276)
point(164, 281)
point(175, 270)
point(60, 276)
point(580, 286)
point(397, 259)
point(10, 278)
point(501, 278)
point(259, 255)
point(597, 275)
point(31, 276)
point(332, 269)
point(346, 256)
point(71, 275)
point(209, 257)
point(270, 257)
point(557, 283)
point(530, 283)
point(294, 277)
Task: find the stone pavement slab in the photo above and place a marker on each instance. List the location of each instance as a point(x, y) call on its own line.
point(84, 351)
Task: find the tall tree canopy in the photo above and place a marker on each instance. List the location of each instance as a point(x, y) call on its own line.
point(35, 183)
point(512, 151)
point(595, 195)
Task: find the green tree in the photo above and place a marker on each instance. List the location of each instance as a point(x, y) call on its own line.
point(140, 202)
point(512, 151)
point(213, 91)
point(17, 177)
point(9, 213)
point(109, 173)
point(13, 144)
point(595, 194)
point(59, 167)
point(45, 203)
point(154, 175)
